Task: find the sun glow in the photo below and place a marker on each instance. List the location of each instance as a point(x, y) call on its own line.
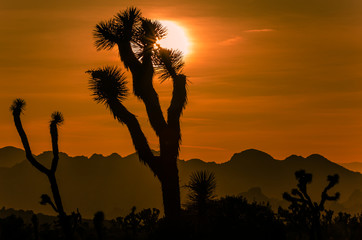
point(176, 37)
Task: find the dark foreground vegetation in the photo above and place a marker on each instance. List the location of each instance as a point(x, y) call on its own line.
point(203, 217)
point(225, 218)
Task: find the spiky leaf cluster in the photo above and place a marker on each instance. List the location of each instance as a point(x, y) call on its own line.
point(127, 24)
point(18, 106)
point(129, 27)
point(105, 35)
point(147, 36)
point(108, 85)
point(202, 186)
point(168, 63)
point(57, 118)
point(121, 28)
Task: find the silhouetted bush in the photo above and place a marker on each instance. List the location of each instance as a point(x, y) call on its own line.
point(201, 187)
point(227, 218)
point(13, 228)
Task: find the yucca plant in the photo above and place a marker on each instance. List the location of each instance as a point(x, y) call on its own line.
point(17, 109)
point(201, 186)
point(136, 37)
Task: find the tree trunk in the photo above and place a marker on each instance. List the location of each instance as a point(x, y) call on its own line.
point(170, 190)
point(63, 218)
point(56, 194)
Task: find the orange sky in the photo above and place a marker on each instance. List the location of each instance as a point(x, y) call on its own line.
point(280, 76)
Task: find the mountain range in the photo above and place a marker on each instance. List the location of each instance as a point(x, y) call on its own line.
point(114, 184)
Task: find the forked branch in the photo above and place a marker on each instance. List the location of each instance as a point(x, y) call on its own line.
point(17, 108)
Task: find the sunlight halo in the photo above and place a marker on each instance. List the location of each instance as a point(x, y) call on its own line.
point(176, 37)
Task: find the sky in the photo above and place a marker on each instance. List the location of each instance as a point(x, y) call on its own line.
point(281, 76)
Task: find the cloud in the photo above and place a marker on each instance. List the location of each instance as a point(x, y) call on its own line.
point(260, 30)
point(231, 41)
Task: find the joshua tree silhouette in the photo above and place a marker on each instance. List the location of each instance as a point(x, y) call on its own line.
point(17, 109)
point(301, 202)
point(136, 38)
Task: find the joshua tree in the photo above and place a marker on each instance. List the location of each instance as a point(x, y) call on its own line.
point(136, 38)
point(301, 203)
point(17, 109)
point(201, 185)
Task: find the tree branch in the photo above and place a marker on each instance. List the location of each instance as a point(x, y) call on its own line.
point(149, 95)
point(153, 108)
point(45, 199)
point(138, 138)
point(142, 75)
point(57, 119)
point(128, 57)
point(26, 145)
point(54, 136)
point(178, 101)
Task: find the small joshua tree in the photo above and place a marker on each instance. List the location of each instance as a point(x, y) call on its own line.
point(17, 109)
point(303, 207)
point(136, 39)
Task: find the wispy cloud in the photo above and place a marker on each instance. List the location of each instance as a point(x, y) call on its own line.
point(231, 41)
point(260, 30)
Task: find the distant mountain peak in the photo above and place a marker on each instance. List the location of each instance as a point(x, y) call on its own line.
point(251, 154)
point(312, 157)
point(115, 155)
point(317, 157)
point(96, 155)
point(10, 156)
point(195, 160)
point(294, 158)
point(47, 154)
point(6, 148)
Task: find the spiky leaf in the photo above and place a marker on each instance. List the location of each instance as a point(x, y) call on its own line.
point(57, 118)
point(202, 186)
point(169, 63)
point(146, 36)
point(18, 106)
point(105, 35)
point(108, 84)
point(127, 23)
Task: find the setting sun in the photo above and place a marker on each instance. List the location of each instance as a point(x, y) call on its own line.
point(176, 37)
